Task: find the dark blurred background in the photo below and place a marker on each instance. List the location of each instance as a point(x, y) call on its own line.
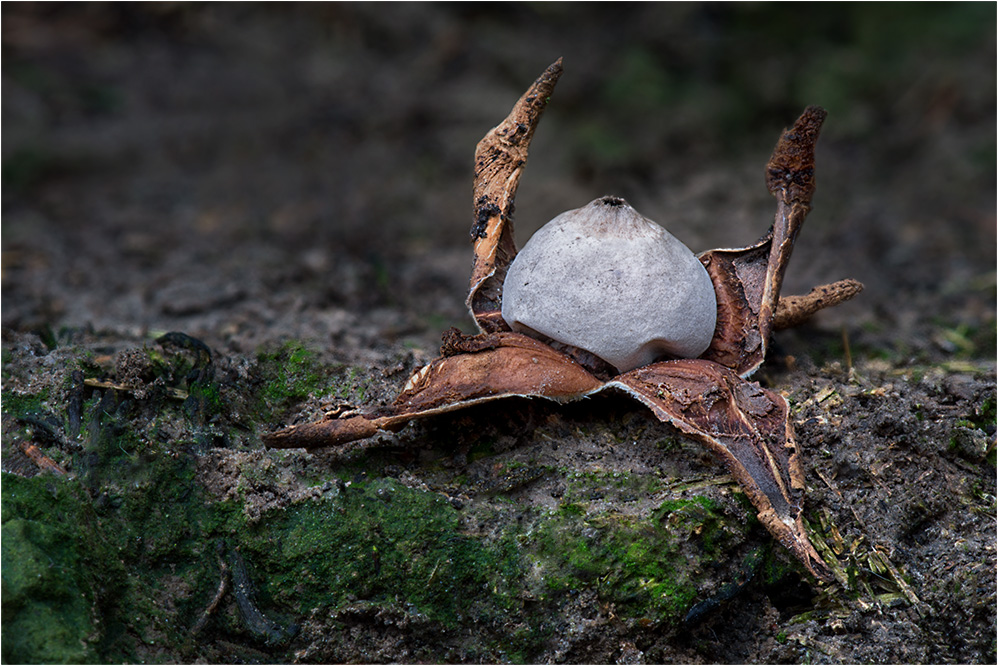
point(173, 165)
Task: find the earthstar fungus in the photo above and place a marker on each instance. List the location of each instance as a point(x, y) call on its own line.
point(706, 398)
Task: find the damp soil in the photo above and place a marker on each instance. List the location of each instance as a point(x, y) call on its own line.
point(221, 219)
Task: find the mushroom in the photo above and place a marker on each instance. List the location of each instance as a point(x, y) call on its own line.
point(608, 280)
point(707, 398)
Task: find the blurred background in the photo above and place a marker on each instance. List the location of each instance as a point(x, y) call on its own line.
point(245, 172)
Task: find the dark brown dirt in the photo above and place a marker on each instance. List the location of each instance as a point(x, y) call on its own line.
point(250, 175)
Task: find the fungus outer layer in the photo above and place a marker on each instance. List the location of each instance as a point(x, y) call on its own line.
point(606, 279)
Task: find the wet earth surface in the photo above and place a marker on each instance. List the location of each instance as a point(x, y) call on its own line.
point(218, 220)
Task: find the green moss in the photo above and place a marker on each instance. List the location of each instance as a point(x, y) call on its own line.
point(20, 405)
point(112, 450)
point(672, 506)
point(57, 575)
point(123, 545)
point(646, 567)
point(583, 486)
point(173, 368)
point(292, 373)
point(160, 518)
point(288, 376)
point(699, 516)
point(382, 543)
point(204, 401)
point(46, 596)
point(773, 570)
point(986, 414)
point(163, 531)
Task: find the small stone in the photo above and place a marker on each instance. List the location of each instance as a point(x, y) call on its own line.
point(606, 279)
point(969, 443)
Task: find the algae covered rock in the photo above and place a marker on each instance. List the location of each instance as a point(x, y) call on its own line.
point(47, 591)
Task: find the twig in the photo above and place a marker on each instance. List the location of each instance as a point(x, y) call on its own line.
point(172, 392)
point(40, 459)
point(223, 587)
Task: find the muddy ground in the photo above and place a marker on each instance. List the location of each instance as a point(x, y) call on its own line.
point(219, 219)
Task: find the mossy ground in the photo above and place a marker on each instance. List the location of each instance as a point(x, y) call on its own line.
point(386, 544)
point(53, 574)
point(648, 567)
point(117, 559)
